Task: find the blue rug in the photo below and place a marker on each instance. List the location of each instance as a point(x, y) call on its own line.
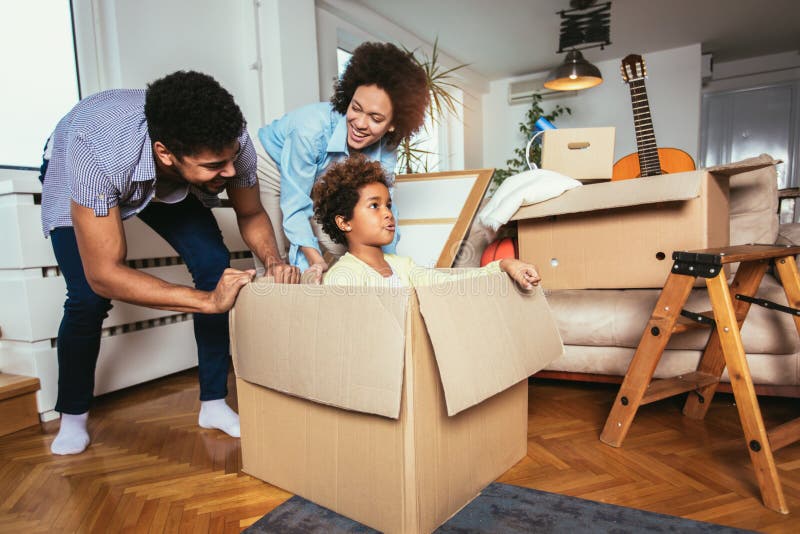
point(499, 509)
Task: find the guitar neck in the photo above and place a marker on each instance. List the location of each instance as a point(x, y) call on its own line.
point(646, 146)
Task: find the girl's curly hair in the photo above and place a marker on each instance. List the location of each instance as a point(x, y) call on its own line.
point(337, 191)
point(397, 73)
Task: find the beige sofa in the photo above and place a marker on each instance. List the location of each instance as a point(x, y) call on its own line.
point(601, 328)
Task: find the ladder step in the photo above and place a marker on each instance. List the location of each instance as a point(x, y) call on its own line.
point(684, 324)
point(736, 253)
point(669, 387)
point(784, 434)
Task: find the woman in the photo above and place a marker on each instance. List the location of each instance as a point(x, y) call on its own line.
point(379, 100)
point(352, 204)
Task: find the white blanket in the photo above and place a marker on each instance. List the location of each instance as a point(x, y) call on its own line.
point(522, 189)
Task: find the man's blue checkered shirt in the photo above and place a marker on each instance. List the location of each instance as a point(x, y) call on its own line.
point(101, 157)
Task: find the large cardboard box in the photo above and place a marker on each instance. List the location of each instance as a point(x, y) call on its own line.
point(622, 234)
point(391, 407)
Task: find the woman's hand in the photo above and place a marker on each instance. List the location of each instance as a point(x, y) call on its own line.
point(284, 273)
point(313, 275)
point(524, 274)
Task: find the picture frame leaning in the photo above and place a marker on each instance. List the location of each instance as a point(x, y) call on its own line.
point(436, 211)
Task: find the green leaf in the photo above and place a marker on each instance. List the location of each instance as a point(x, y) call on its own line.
point(440, 81)
point(527, 129)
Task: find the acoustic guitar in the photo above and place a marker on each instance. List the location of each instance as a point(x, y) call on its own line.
point(648, 160)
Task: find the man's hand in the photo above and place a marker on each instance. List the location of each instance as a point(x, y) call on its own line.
point(224, 295)
point(313, 275)
point(283, 273)
point(524, 274)
point(256, 229)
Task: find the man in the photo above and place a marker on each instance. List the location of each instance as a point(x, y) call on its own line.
point(163, 155)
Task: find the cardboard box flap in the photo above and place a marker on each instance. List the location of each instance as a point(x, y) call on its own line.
point(316, 348)
point(745, 165)
point(487, 335)
point(619, 194)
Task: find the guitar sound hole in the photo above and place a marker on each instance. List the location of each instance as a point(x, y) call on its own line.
point(660, 256)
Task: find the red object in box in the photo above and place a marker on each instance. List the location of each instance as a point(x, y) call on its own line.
point(500, 249)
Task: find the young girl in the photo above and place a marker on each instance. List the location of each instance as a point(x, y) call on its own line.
point(352, 203)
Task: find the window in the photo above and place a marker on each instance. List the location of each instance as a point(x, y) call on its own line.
point(342, 57)
point(42, 82)
point(429, 139)
point(746, 122)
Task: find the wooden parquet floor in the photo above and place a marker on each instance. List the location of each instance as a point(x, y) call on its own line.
point(150, 468)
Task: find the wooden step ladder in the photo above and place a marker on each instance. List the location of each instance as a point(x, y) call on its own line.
point(724, 348)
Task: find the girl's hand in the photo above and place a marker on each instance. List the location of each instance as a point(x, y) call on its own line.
point(524, 274)
point(313, 275)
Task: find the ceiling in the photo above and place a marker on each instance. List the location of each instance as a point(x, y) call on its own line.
point(504, 38)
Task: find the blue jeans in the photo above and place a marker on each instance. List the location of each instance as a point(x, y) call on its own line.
point(192, 230)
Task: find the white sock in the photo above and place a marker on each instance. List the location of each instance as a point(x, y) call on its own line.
point(217, 414)
point(72, 437)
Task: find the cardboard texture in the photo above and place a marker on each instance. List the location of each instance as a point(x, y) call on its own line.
point(586, 154)
point(408, 472)
point(493, 304)
point(622, 234)
point(312, 351)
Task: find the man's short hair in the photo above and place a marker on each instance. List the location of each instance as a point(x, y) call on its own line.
point(190, 112)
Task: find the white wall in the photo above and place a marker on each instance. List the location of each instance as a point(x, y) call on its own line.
point(474, 133)
point(674, 91)
point(334, 32)
point(138, 42)
point(287, 35)
point(263, 52)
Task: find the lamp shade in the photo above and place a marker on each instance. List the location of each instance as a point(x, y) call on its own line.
point(574, 74)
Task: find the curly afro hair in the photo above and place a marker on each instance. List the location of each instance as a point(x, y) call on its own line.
point(397, 73)
point(190, 111)
point(337, 191)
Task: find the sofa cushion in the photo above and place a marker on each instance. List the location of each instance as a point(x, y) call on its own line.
point(754, 204)
point(617, 318)
point(789, 234)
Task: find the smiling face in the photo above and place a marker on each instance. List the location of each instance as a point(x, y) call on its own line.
point(372, 223)
point(369, 117)
point(208, 170)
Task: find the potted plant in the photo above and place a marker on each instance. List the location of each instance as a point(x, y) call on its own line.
point(411, 155)
point(519, 163)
